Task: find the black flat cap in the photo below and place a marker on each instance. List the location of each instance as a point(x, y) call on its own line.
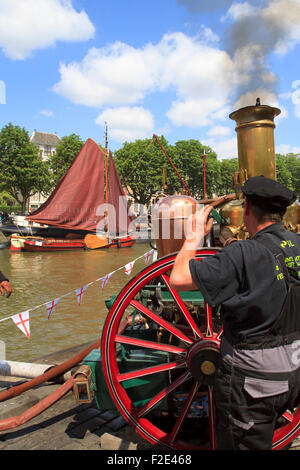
point(268, 193)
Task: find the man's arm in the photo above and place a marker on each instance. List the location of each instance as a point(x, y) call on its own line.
point(181, 278)
point(5, 287)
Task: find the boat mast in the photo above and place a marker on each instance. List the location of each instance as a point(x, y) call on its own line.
point(106, 165)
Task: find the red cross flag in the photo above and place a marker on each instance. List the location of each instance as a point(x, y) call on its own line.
point(50, 306)
point(104, 280)
point(148, 256)
point(22, 322)
point(128, 267)
point(80, 292)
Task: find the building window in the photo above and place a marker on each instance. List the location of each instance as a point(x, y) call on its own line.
point(47, 150)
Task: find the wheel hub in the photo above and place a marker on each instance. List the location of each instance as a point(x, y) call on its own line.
point(202, 361)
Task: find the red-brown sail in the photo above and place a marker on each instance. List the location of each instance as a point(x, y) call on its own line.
point(75, 200)
point(117, 199)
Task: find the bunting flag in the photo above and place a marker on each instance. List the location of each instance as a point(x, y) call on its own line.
point(80, 292)
point(50, 306)
point(147, 256)
point(22, 319)
point(104, 280)
point(128, 267)
point(22, 322)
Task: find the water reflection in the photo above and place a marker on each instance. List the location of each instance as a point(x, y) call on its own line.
point(37, 278)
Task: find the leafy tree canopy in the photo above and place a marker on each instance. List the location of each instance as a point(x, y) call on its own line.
point(23, 173)
point(66, 152)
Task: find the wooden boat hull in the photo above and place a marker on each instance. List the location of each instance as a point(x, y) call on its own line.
point(69, 244)
point(53, 245)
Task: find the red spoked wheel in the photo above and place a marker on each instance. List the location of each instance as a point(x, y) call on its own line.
point(159, 351)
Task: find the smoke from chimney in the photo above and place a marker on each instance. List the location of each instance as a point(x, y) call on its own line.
point(256, 28)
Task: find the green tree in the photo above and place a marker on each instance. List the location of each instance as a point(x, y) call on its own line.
point(191, 164)
point(140, 166)
point(283, 174)
point(227, 168)
point(66, 151)
point(23, 173)
point(293, 165)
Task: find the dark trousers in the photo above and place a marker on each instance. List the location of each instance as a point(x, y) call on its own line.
point(244, 422)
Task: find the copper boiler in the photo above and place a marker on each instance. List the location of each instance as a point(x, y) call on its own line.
point(168, 222)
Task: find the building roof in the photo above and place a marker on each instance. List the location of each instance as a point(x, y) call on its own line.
point(44, 138)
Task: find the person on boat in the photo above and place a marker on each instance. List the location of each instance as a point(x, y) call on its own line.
point(258, 376)
point(5, 287)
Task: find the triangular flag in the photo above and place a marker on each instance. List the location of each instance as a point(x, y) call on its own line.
point(22, 322)
point(154, 255)
point(148, 256)
point(128, 267)
point(50, 306)
point(104, 280)
point(80, 292)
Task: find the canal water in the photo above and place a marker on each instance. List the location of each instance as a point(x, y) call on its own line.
point(38, 278)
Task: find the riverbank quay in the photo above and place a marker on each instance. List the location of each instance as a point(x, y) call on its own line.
point(65, 425)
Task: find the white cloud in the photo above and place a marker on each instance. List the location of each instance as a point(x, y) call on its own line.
point(219, 131)
point(119, 74)
point(116, 74)
point(294, 96)
point(283, 149)
point(192, 112)
point(126, 123)
point(46, 112)
point(238, 11)
point(283, 16)
point(224, 148)
point(28, 25)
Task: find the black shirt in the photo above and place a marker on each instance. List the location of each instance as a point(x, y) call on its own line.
point(2, 277)
point(245, 278)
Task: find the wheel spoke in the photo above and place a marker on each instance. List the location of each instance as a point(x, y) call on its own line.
point(219, 334)
point(182, 307)
point(212, 419)
point(160, 396)
point(148, 344)
point(184, 411)
point(208, 320)
point(156, 318)
point(150, 370)
point(165, 414)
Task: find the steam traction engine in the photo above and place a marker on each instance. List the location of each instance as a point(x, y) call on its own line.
point(159, 347)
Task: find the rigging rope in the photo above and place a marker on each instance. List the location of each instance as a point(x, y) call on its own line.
point(147, 148)
point(181, 179)
point(169, 159)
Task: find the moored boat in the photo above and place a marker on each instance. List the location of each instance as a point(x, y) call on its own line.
point(89, 199)
point(52, 244)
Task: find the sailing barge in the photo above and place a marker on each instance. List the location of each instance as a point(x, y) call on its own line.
point(88, 207)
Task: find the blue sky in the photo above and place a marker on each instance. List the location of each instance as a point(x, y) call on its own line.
point(172, 67)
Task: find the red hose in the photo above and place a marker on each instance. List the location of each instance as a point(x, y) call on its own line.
point(48, 375)
point(37, 409)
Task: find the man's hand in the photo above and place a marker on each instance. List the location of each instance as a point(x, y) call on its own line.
point(197, 227)
point(5, 288)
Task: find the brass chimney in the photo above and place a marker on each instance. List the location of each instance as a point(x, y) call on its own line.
point(255, 140)
point(256, 156)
